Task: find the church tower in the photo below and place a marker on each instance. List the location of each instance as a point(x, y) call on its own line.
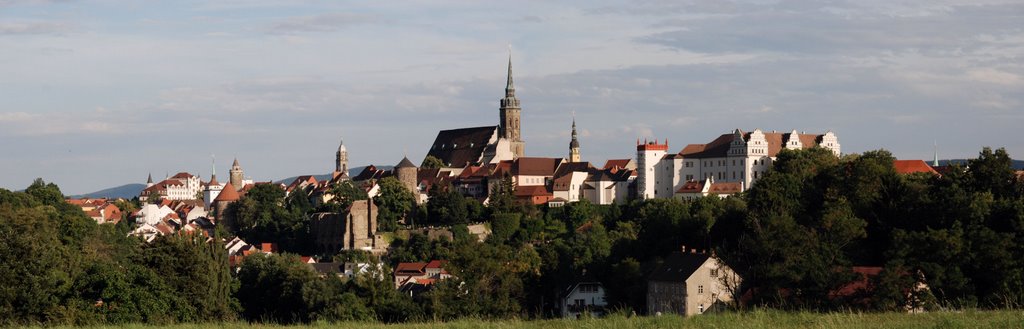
point(236, 175)
point(341, 161)
point(574, 145)
point(509, 128)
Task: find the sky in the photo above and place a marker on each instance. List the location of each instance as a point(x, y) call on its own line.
point(96, 94)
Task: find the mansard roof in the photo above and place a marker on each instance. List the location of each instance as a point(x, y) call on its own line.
point(459, 147)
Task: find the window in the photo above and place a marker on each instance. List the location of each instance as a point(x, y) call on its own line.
point(714, 273)
point(700, 289)
point(580, 303)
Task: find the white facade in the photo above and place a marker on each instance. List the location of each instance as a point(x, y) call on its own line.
point(151, 214)
point(584, 297)
point(736, 157)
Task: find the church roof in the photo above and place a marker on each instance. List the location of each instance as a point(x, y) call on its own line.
point(227, 194)
point(458, 147)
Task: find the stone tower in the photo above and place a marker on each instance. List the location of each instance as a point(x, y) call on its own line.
point(341, 160)
point(236, 175)
point(406, 172)
point(574, 145)
point(509, 128)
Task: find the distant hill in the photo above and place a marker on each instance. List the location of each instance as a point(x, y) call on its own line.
point(1017, 164)
point(351, 172)
point(126, 191)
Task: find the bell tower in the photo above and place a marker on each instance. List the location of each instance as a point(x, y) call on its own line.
point(510, 111)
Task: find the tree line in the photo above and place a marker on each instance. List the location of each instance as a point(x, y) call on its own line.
point(793, 237)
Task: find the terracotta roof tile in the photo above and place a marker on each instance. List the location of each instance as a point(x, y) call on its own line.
point(913, 166)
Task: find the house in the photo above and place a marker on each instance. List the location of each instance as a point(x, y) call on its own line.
point(410, 277)
point(583, 297)
point(101, 210)
point(690, 283)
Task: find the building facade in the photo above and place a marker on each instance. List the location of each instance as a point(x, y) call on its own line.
point(740, 157)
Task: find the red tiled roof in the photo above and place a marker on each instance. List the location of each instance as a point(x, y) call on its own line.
point(725, 188)
point(621, 163)
point(227, 194)
point(535, 166)
point(692, 187)
point(913, 166)
point(532, 191)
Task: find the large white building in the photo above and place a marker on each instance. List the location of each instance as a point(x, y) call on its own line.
point(740, 157)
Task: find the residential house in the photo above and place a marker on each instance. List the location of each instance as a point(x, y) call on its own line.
point(690, 283)
point(583, 297)
point(410, 277)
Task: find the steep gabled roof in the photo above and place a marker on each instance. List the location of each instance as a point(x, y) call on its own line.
point(459, 147)
point(678, 267)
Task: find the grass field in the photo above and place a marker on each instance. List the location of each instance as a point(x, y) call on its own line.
point(756, 319)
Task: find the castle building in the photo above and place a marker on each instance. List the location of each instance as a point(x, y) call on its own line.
point(181, 186)
point(355, 229)
point(737, 157)
point(457, 148)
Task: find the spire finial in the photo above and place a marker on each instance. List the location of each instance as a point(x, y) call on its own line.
point(213, 159)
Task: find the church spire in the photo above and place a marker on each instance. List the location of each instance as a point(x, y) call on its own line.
point(935, 156)
point(510, 112)
point(341, 160)
point(574, 144)
point(510, 88)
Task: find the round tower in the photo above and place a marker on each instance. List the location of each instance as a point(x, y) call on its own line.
point(405, 171)
point(236, 175)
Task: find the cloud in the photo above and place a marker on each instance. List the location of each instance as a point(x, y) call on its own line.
point(321, 23)
point(32, 28)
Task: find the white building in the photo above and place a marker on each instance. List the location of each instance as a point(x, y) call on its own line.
point(181, 186)
point(739, 156)
point(584, 297)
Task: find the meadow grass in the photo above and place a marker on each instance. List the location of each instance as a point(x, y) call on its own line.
point(754, 320)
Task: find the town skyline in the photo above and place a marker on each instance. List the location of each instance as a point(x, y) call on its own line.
point(99, 94)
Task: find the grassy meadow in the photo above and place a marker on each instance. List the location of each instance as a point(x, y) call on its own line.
point(754, 320)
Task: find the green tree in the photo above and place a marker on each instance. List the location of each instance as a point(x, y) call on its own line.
point(432, 162)
point(395, 202)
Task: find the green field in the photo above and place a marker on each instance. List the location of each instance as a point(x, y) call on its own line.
point(756, 319)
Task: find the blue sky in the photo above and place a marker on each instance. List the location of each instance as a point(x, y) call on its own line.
point(95, 94)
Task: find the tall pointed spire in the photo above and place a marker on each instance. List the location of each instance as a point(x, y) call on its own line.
point(149, 180)
point(574, 144)
point(510, 88)
point(509, 112)
point(213, 165)
point(935, 158)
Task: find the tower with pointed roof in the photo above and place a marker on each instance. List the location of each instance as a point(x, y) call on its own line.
point(237, 175)
point(341, 161)
point(149, 180)
point(574, 145)
point(406, 173)
point(213, 188)
point(509, 112)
